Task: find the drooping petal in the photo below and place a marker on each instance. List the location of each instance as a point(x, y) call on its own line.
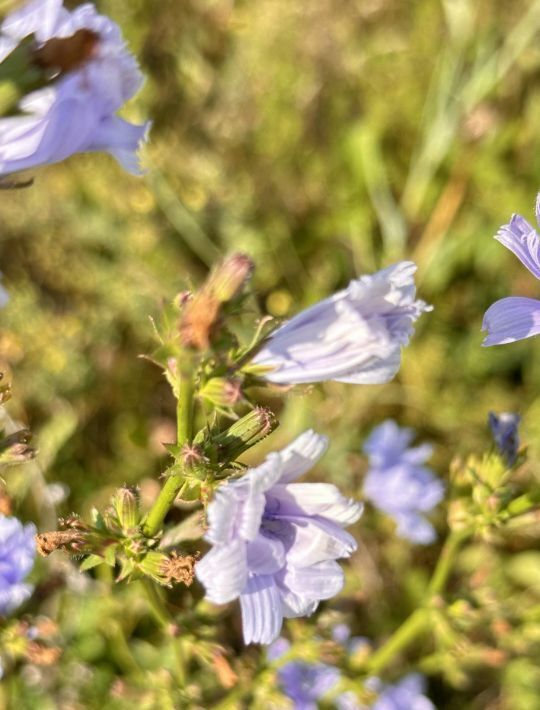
point(223, 572)
point(262, 617)
point(511, 319)
point(522, 239)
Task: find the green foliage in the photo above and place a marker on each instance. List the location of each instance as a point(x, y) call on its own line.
point(325, 139)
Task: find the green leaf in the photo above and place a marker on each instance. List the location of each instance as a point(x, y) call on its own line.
point(110, 555)
point(91, 561)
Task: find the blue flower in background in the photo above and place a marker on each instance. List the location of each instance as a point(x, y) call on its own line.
point(17, 552)
point(354, 336)
point(305, 683)
point(516, 318)
point(407, 694)
point(76, 111)
point(275, 543)
point(398, 484)
point(504, 428)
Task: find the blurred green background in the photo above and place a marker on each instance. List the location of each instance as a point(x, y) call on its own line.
point(326, 139)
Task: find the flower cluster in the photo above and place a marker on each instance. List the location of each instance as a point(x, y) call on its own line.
point(306, 683)
point(516, 318)
point(94, 75)
point(354, 336)
point(399, 484)
point(17, 551)
point(275, 542)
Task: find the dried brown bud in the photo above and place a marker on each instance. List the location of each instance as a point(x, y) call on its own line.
point(226, 676)
point(42, 655)
point(201, 317)
point(178, 569)
point(66, 54)
point(69, 540)
point(200, 321)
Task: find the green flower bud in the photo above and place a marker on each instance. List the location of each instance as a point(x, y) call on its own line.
point(152, 566)
point(245, 433)
point(126, 506)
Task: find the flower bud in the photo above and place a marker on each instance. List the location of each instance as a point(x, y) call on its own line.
point(228, 278)
point(245, 433)
point(15, 448)
point(152, 564)
point(126, 505)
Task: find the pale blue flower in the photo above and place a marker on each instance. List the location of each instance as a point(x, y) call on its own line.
point(354, 336)
point(407, 694)
point(76, 111)
point(516, 318)
point(275, 543)
point(504, 428)
point(399, 484)
point(17, 552)
point(306, 683)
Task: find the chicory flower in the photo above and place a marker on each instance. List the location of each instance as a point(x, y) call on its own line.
point(504, 428)
point(407, 694)
point(275, 542)
point(354, 336)
point(399, 484)
point(17, 552)
point(515, 318)
point(75, 111)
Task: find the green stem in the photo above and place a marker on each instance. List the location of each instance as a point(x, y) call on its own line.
point(400, 639)
point(157, 606)
point(165, 620)
point(418, 621)
point(184, 419)
point(445, 562)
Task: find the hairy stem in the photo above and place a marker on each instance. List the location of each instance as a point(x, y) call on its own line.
point(184, 421)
